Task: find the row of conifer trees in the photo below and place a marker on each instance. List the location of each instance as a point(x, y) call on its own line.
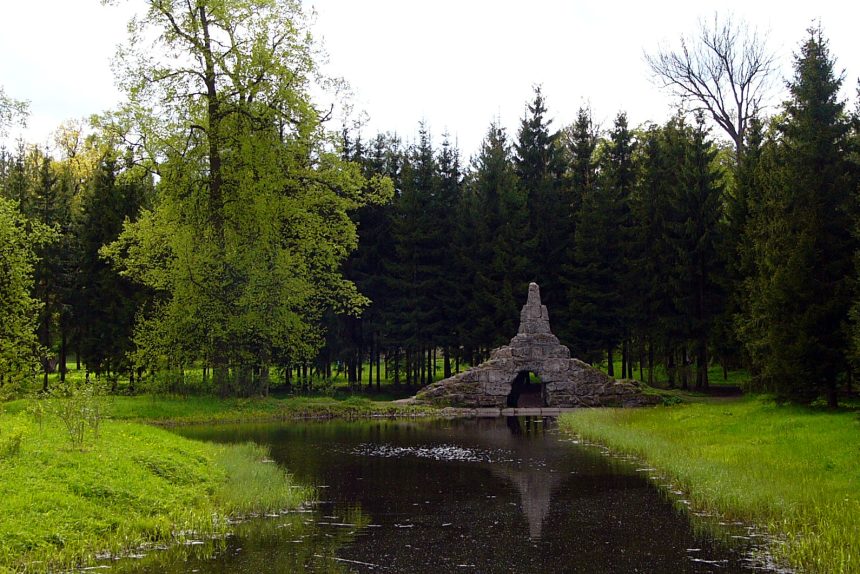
point(657, 245)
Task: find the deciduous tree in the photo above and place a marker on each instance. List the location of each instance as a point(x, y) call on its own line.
point(250, 224)
point(723, 70)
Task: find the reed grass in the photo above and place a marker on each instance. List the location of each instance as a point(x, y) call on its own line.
point(791, 469)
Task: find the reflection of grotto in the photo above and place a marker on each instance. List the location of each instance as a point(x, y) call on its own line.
point(535, 485)
point(535, 488)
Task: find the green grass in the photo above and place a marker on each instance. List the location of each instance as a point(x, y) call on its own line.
point(135, 486)
point(716, 376)
point(190, 381)
point(212, 410)
point(792, 469)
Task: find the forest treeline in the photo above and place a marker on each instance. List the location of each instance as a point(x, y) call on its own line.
point(256, 241)
point(657, 245)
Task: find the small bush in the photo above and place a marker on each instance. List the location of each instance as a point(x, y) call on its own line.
point(669, 400)
point(79, 406)
point(10, 442)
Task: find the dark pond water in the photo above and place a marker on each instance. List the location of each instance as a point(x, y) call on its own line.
point(466, 495)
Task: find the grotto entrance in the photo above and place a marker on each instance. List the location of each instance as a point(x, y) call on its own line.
point(527, 391)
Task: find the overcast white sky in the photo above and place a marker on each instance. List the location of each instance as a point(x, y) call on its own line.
point(457, 64)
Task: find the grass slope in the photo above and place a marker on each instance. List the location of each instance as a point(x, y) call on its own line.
point(792, 469)
point(134, 486)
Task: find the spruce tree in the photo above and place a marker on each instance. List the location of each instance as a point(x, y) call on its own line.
point(539, 168)
point(795, 326)
point(500, 262)
point(449, 286)
point(652, 254)
point(580, 143)
point(696, 234)
point(418, 256)
point(105, 303)
point(598, 289)
point(741, 199)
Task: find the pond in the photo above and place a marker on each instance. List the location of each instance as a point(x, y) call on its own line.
point(464, 495)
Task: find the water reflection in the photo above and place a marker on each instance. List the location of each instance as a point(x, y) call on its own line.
point(534, 484)
point(479, 495)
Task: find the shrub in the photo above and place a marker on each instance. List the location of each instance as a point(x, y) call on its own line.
point(79, 406)
point(10, 441)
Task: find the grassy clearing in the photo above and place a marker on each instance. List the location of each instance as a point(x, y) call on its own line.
point(190, 381)
point(134, 486)
point(213, 410)
point(716, 376)
point(790, 468)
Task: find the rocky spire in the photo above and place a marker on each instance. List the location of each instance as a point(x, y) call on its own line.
point(565, 382)
point(534, 318)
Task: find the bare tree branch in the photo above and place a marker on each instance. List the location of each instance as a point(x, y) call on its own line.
point(724, 70)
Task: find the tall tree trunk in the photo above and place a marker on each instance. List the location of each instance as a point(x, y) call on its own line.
point(407, 358)
point(446, 360)
point(431, 365)
point(832, 396)
point(370, 364)
point(624, 361)
point(264, 381)
point(46, 362)
point(63, 342)
point(221, 377)
point(213, 131)
point(610, 362)
point(651, 363)
point(685, 371)
point(702, 363)
point(360, 361)
point(419, 367)
point(397, 368)
point(671, 370)
point(378, 367)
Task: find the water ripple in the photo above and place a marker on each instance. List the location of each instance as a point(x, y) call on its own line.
point(443, 452)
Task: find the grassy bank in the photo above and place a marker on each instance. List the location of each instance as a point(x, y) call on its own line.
point(212, 410)
point(134, 486)
point(791, 469)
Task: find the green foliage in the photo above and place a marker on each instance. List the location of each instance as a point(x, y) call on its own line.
point(255, 484)
point(794, 321)
point(105, 304)
point(11, 110)
point(791, 469)
point(249, 228)
point(19, 349)
point(499, 264)
point(11, 438)
point(599, 277)
point(539, 166)
point(79, 406)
